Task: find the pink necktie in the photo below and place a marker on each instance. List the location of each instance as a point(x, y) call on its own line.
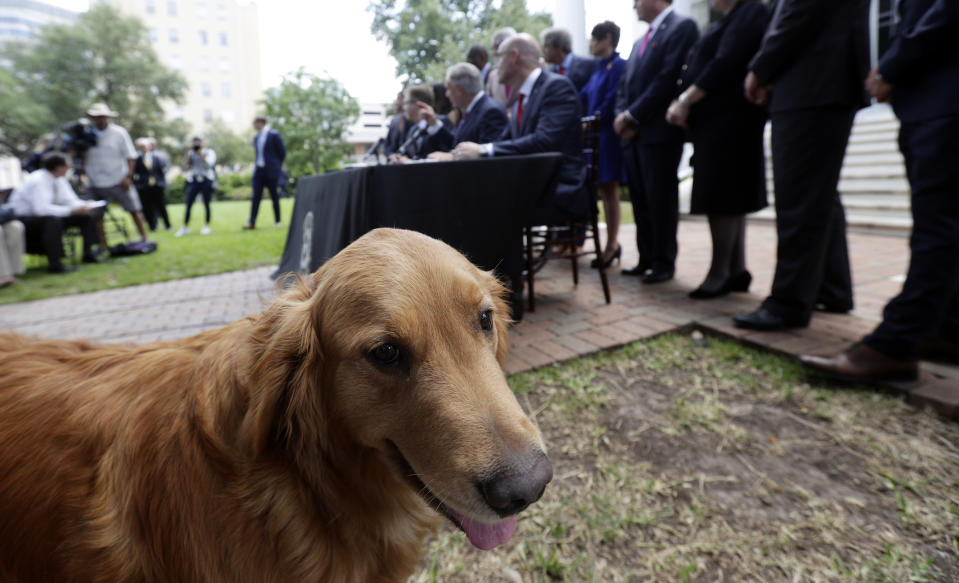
point(642, 45)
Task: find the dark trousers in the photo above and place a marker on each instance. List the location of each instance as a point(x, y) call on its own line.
point(204, 188)
point(812, 259)
point(45, 235)
point(260, 179)
point(929, 301)
point(654, 191)
point(153, 199)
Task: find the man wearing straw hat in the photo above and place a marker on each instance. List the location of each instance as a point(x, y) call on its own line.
point(109, 165)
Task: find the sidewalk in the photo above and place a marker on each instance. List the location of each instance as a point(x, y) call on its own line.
point(569, 321)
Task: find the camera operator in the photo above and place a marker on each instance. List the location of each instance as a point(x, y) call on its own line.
point(201, 180)
point(109, 165)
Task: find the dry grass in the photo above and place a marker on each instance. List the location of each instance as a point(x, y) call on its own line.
point(694, 459)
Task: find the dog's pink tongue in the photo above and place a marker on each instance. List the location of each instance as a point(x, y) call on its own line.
point(486, 536)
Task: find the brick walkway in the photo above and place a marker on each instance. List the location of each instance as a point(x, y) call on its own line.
point(569, 321)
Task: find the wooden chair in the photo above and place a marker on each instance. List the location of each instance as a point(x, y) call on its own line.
point(544, 242)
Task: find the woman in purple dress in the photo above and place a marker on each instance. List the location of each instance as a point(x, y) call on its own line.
point(599, 98)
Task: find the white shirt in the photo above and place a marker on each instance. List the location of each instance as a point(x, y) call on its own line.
point(201, 165)
point(261, 145)
point(106, 163)
point(44, 195)
point(654, 25)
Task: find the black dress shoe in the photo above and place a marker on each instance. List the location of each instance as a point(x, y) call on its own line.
point(833, 308)
point(656, 276)
point(763, 319)
point(738, 283)
point(638, 271)
point(939, 349)
point(862, 363)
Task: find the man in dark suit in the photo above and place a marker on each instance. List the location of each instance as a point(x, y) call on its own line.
point(484, 118)
point(479, 58)
point(270, 152)
point(919, 73)
point(545, 118)
point(149, 178)
point(421, 139)
point(809, 69)
point(558, 52)
point(653, 147)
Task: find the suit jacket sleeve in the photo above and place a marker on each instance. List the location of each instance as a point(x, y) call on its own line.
point(492, 125)
point(928, 42)
point(736, 48)
point(798, 21)
point(280, 147)
point(658, 94)
point(558, 110)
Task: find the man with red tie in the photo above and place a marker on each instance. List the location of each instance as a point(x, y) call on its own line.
point(653, 147)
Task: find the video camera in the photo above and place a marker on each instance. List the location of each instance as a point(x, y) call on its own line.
point(73, 139)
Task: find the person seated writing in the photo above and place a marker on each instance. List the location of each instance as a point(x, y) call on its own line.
point(484, 118)
point(45, 203)
point(420, 139)
point(546, 117)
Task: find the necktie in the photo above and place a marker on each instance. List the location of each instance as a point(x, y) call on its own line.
point(519, 110)
point(642, 45)
point(562, 70)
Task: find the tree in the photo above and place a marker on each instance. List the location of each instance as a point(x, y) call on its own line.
point(313, 114)
point(427, 36)
point(104, 56)
point(232, 149)
point(22, 120)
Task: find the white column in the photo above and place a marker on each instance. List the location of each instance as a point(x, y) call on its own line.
point(571, 15)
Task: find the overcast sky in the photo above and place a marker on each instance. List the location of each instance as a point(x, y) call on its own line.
point(333, 37)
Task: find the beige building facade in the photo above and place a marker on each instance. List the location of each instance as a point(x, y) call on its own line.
point(215, 45)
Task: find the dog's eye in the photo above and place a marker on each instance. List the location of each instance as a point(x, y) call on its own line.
point(486, 320)
point(386, 354)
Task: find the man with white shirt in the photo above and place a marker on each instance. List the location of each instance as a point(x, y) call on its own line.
point(484, 118)
point(421, 139)
point(46, 203)
point(270, 153)
point(109, 164)
point(652, 147)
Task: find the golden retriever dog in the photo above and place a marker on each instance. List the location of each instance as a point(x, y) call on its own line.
point(320, 440)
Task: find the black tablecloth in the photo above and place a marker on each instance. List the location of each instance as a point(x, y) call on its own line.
point(477, 206)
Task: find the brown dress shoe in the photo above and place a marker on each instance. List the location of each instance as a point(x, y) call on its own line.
point(861, 363)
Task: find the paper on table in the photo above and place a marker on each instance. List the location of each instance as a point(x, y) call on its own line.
point(95, 204)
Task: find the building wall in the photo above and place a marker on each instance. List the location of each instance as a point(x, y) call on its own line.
point(21, 20)
point(215, 45)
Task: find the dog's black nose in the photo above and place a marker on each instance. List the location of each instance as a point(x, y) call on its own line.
point(513, 489)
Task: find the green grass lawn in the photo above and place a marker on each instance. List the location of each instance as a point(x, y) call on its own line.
point(227, 248)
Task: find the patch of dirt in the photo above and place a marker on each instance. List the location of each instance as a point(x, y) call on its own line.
point(686, 459)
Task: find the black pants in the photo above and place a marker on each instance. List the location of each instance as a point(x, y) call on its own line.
point(929, 301)
point(262, 179)
point(654, 191)
point(153, 199)
point(204, 188)
point(45, 235)
point(812, 259)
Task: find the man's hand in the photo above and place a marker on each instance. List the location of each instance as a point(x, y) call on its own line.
point(878, 87)
point(677, 114)
point(398, 159)
point(126, 182)
point(83, 209)
point(427, 113)
point(755, 91)
point(441, 156)
point(467, 151)
point(621, 123)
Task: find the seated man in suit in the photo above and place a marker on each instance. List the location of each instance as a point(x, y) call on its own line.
point(484, 118)
point(558, 52)
point(45, 203)
point(419, 141)
point(544, 118)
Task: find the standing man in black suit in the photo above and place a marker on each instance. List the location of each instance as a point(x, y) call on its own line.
point(270, 152)
point(484, 118)
point(920, 75)
point(558, 52)
point(149, 178)
point(653, 147)
point(809, 70)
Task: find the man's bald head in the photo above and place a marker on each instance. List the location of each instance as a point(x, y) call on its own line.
point(526, 47)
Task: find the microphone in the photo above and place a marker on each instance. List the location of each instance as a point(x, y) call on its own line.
point(416, 133)
point(375, 150)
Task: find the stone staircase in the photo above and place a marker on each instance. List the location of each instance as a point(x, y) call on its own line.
point(873, 183)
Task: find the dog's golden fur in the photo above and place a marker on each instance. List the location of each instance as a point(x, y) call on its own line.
point(265, 450)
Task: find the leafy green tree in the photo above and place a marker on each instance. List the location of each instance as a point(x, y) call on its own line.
point(427, 36)
point(22, 120)
point(313, 114)
point(232, 149)
point(104, 56)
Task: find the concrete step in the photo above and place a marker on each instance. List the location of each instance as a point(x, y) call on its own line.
point(854, 220)
point(896, 203)
point(868, 137)
point(884, 147)
point(871, 159)
point(874, 185)
point(873, 171)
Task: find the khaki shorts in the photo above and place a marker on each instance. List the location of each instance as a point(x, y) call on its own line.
point(128, 199)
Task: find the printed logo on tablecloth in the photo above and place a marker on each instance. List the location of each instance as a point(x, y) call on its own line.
point(306, 248)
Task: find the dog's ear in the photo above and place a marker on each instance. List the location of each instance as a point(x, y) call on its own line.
point(286, 368)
